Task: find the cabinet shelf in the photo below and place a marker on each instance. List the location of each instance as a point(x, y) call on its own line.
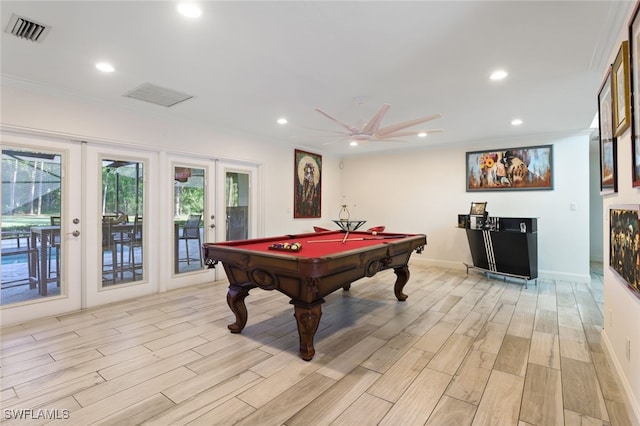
point(510, 249)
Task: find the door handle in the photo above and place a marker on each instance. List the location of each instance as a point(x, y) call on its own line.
point(75, 233)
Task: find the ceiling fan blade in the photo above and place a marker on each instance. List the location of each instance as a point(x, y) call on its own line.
point(345, 125)
point(406, 133)
point(400, 126)
point(373, 124)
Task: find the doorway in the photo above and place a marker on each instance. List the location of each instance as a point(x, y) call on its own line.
point(41, 227)
point(121, 252)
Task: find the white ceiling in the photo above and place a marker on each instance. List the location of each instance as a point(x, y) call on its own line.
point(249, 63)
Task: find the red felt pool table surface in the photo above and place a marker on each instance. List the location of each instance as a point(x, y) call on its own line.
point(319, 244)
point(323, 265)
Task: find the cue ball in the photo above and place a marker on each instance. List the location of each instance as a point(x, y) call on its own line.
point(374, 233)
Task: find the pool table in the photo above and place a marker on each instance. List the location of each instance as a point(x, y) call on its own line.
point(323, 263)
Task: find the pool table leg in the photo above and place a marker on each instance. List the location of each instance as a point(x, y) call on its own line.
point(235, 300)
point(308, 318)
point(402, 274)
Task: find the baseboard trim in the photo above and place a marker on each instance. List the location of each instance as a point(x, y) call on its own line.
point(565, 276)
point(439, 263)
point(542, 274)
point(627, 393)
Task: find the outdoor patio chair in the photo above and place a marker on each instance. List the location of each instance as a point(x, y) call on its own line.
point(55, 244)
point(18, 244)
point(191, 231)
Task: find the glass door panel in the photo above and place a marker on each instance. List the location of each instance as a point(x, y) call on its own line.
point(237, 198)
point(188, 218)
point(238, 201)
point(36, 250)
point(31, 249)
point(122, 221)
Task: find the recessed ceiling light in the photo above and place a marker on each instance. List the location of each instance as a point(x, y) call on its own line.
point(498, 75)
point(105, 67)
point(422, 134)
point(516, 122)
point(189, 10)
point(353, 143)
point(282, 120)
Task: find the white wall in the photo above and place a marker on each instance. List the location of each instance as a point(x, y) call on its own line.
point(58, 114)
point(424, 191)
point(621, 307)
point(595, 201)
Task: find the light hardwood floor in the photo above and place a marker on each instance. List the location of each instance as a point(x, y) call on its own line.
point(462, 350)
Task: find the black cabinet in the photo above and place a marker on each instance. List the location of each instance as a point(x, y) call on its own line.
point(509, 247)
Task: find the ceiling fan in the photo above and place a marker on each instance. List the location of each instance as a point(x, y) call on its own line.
point(372, 130)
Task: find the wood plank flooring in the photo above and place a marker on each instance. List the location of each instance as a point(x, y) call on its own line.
point(462, 350)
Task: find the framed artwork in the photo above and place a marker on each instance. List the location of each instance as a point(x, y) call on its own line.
point(608, 154)
point(463, 221)
point(526, 168)
point(634, 71)
point(478, 209)
point(624, 244)
point(621, 91)
point(307, 195)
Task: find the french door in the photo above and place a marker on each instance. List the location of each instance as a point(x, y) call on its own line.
point(192, 214)
point(122, 258)
point(42, 227)
point(211, 201)
point(238, 201)
point(85, 224)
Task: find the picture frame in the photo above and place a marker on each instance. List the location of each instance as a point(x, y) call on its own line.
point(620, 90)
point(634, 81)
point(522, 168)
point(478, 208)
point(608, 145)
point(624, 244)
point(307, 191)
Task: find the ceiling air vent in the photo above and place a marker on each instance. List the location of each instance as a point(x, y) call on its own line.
point(26, 29)
point(157, 95)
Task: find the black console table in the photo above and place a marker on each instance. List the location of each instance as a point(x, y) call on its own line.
point(506, 246)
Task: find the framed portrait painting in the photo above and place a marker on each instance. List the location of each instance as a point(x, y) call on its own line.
point(307, 195)
point(608, 154)
point(624, 242)
point(620, 90)
point(524, 168)
point(634, 71)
